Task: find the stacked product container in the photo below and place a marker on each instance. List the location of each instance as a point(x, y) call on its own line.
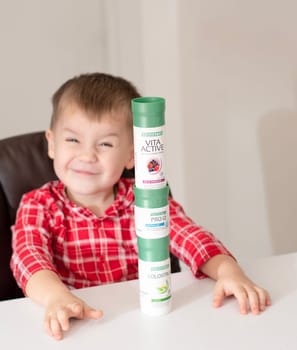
point(151, 205)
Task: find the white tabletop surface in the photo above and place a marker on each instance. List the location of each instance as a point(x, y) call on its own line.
point(192, 324)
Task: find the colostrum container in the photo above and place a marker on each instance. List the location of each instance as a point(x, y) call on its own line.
point(152, 229)
point(149, 140)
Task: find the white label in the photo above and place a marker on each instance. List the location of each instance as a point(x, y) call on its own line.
point(155, 285)
point(152, 222)
point(149, 147)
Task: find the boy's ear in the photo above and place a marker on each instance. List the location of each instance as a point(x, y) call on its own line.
point(130, 162)
point(50, 143)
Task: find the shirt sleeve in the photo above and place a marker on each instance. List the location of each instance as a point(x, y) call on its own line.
point(31, 241)
point(190, 242)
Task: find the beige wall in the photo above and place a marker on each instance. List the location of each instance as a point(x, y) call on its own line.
point(44, 43)
point(239, 93)
point(228, 72)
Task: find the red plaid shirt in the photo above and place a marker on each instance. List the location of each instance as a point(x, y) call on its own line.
point(53, 233)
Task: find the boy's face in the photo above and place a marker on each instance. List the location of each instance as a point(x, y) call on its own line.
point(89, 156)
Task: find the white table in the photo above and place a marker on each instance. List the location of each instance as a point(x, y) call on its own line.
point(192, 324)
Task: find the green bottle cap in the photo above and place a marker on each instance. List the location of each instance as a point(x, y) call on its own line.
point(153, 249)
point(148, 112)
point(151, 198)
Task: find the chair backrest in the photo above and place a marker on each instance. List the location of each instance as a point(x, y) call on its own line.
point(24, 165)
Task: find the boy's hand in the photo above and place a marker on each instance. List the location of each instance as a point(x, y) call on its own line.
point(249, 296)
point(231, 280)
point(46, 288)
point(59, 312)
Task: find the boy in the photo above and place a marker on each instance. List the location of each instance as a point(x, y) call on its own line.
point(79, 231)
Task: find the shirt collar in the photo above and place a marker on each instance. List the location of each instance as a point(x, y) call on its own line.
point(124, 198)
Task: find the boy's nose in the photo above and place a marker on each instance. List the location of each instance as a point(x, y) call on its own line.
point(88, 155)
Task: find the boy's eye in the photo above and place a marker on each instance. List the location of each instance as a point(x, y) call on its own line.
point(71, 139)
point(105, 144)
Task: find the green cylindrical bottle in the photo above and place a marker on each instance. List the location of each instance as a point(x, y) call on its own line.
point(149, 141)
point(152, 229)
point(151, 212)
point(151, 205)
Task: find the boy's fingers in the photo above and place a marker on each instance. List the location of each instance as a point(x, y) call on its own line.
point(63, 319)
point(92, 313)
point(248, 297)
point(254, 300)
point(242, 298)
point(56, 323)
point(268, 299)
point(76, 310)
point(264, 298)
point(218, 296)
point(55, 329)
point(85, 311)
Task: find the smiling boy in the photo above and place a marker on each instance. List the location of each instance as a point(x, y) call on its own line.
point(79, 231)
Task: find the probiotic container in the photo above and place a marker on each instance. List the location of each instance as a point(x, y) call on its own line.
point(149, 141)
point(151, 212)
point(152, 229)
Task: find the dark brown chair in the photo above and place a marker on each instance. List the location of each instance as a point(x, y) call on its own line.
point(24, 165)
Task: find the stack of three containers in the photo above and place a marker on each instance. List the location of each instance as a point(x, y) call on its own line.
point(151, 205)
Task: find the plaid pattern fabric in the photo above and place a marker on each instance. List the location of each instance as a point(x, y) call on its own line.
point(53, 233)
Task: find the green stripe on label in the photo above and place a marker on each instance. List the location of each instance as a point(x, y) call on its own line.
point(151, 198)
point(153, 249)
point(162, 299)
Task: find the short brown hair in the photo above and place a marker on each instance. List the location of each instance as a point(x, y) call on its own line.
point(96, 94)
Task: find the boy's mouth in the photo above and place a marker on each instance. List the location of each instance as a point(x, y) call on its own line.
point(85, 172)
